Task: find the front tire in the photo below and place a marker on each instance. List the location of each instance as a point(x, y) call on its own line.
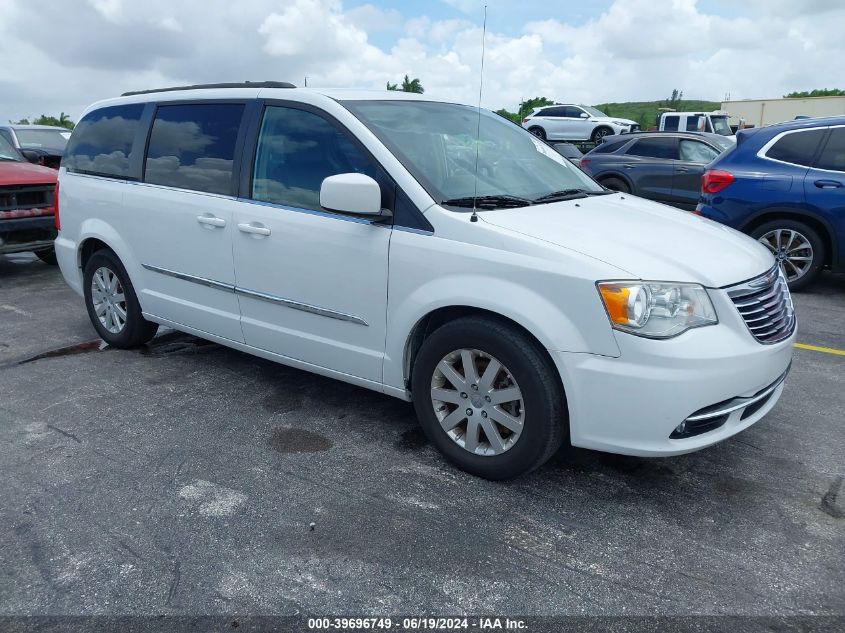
point(112, 305)
point(488, 397)
point(616, 184)
point(599, 133)
point(538, 132)
point(797, 247)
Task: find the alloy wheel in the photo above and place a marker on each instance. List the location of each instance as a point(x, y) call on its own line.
point(792, 250)
point(477, 402)
point(108, 299)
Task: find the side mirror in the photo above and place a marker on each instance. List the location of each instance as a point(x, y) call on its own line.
point(351, 193)
point(584, 115)
point(30, 155)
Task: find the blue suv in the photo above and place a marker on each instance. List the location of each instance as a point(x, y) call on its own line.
point(785, 185)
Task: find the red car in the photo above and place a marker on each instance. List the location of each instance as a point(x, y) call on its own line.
point(27, 211)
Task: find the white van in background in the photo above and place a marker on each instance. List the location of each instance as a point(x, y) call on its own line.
point(714, 122)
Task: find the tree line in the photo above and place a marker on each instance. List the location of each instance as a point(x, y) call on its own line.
point(63, 120)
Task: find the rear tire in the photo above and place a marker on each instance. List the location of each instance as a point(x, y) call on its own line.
point(48, 256)
point(799, 249)
point(526, 388)
point(538, 132)
point(616, 184)
point(112, 305)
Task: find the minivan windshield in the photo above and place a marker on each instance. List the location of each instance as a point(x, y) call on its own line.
point(436, 142)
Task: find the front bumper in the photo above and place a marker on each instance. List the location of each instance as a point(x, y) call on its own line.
point(634, 404)
point(18, 235)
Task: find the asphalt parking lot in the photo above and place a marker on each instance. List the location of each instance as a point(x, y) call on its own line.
point(184, 478)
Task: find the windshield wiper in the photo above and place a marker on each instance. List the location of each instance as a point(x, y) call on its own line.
point(488, 202)
point(570, 194)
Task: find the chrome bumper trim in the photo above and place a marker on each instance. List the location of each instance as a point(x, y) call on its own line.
point(741, 403)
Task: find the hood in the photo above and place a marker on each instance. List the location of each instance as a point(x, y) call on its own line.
point(648, 240)
point(20, 173)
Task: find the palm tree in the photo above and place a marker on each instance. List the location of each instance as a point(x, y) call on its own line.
point(408, 85)
point(412, 85)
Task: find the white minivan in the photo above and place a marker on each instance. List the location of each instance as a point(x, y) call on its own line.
point(427, 250)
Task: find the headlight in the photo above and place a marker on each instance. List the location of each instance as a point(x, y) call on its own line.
point(622, 123)
point(654, 309)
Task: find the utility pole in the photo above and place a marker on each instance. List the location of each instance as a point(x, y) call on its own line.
point(306, 81)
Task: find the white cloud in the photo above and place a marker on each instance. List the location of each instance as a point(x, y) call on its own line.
point(372, 19)
point(635, 50)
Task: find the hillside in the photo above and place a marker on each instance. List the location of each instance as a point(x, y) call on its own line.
point(645, 112)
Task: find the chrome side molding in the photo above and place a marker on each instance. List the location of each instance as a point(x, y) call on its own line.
point(304, 307)
point(203, 281)
point(289, 303)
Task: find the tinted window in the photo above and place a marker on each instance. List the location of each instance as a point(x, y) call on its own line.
point(654, 148)
point(833, 155)
point(696, 152)
point(101, 142)
point(551, 112)
point(608, 146)
point(572, 112)
point(797, 148)
point(670, 122)
point(296, 151)
point(568, 150)
point(693, 123)
point(193, 146)
point(7, 135)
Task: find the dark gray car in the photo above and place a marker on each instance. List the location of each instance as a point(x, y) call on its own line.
point(662, 166)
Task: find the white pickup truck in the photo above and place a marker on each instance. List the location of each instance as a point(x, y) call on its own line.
point(714, 122)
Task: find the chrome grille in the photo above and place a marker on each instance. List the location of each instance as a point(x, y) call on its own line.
point(766, 306)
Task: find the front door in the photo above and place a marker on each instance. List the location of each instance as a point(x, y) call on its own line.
point(312, 284)
point(649, 163)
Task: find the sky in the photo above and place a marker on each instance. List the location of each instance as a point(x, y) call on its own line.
point(62, 55)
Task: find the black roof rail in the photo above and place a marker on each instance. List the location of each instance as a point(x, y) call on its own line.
point(245, 84)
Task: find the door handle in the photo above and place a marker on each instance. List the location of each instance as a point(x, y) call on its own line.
point(681, 170)
point(254, 229)
point(210, 220)
point(629, 166)
point(828, 184)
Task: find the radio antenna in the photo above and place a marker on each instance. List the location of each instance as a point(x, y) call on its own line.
point(474, 217)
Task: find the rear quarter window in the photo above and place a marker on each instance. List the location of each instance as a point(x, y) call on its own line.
point(101, 143)
point(607, 148)
point(662, 147)
point(797, 148)
point(670, 122)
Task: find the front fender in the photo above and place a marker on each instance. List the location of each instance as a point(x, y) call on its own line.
point(562, 313)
